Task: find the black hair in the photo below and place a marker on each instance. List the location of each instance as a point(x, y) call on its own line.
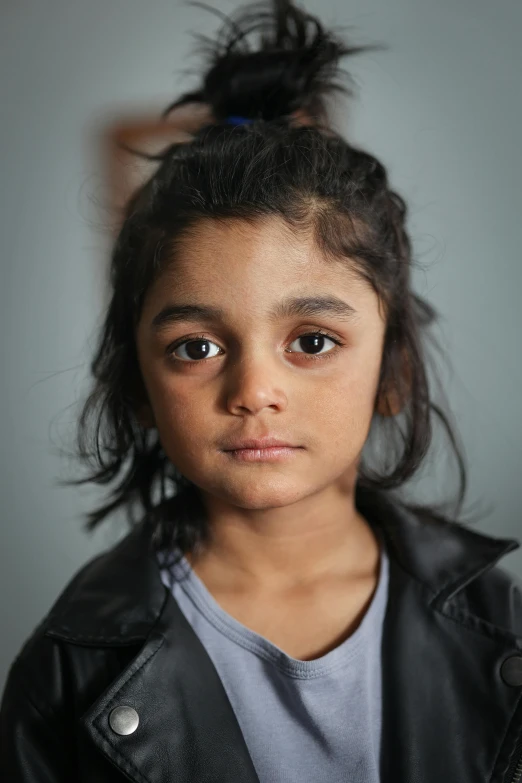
point(314, 179)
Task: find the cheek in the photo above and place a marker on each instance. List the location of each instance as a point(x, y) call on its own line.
point(181, 413)
point(343, 411)
point(344, 406)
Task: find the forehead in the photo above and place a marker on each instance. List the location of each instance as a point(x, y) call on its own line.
point(260, 259)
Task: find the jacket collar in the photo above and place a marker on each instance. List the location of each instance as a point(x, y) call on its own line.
point(117, 597)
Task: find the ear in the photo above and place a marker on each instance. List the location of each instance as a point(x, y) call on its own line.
point(389, 402)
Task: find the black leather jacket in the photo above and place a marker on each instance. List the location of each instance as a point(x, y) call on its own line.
point(452, 673)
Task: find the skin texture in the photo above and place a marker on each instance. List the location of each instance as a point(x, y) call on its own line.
point(285, 529)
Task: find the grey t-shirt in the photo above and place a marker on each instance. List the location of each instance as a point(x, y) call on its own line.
point(303, 721)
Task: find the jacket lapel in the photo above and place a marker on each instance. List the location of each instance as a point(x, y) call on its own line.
point(187, 728)
point(461, 724)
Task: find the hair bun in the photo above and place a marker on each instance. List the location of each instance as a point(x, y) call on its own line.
point(292, 69)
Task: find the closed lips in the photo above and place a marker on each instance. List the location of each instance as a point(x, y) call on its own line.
point(266, 443)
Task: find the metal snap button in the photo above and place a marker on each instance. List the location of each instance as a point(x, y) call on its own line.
point(124, 720)
point(511, 671)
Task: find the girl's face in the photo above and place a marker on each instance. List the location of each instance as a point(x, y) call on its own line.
point(258, 371)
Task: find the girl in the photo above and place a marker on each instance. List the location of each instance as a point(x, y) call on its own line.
point(276, 612)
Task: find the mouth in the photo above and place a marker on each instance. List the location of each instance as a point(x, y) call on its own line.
point(258, 443)
point(267, 454)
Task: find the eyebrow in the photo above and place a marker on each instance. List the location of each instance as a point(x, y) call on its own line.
point(295, 306)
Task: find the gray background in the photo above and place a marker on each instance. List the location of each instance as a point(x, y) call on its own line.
point(441, 108)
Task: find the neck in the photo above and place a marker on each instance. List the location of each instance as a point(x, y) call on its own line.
point(291, 547)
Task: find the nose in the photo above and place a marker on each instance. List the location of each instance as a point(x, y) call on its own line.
point(254, 384)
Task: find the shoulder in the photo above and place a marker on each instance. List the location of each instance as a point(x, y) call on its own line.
point(99, 619)
point(115, 598)
point(458, 564)
point(37, 678)
point(40, 657)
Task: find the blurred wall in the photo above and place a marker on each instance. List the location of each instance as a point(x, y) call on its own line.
point(441, 108)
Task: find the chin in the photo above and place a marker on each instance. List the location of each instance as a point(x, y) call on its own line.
point(261, 494)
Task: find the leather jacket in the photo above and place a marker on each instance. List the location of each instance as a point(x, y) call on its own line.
point(116, 638)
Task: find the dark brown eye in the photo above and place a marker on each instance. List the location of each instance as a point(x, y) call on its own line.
point(313, 343)
point(195, 350)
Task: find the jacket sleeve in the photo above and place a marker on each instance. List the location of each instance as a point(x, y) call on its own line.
point(34, 743)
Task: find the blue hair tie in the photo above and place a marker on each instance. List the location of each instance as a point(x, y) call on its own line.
point(236, 120)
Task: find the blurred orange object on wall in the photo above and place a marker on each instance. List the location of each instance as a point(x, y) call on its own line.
point(149, 134)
